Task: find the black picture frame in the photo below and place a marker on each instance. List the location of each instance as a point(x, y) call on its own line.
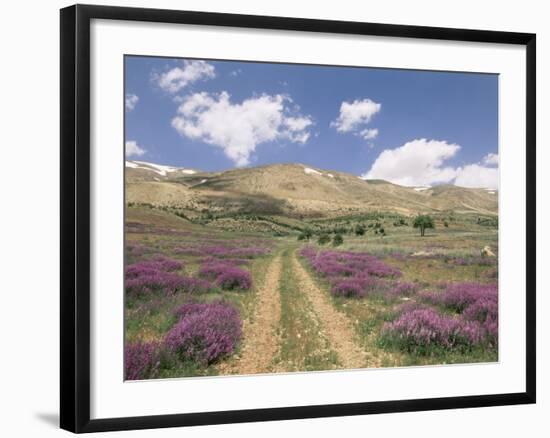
point(75, 217)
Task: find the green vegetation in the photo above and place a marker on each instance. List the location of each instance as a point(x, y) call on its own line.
point(323, 239)
point(337, 240)
point(423, 222)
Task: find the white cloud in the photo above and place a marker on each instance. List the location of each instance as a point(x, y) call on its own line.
point(297, 124)
point(355, 115)
point(416, 163)
point(491, 159)
point(130, 101)
point(421, 162)
point(238, 128)
point(235, 73)
point(179, 77)
point(477, 176)
point(369, 134)
point(133, 150)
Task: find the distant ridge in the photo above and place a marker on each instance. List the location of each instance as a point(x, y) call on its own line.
point(295, 190)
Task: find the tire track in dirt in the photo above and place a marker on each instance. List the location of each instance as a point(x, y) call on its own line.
point(339, 330)
point(261, 342)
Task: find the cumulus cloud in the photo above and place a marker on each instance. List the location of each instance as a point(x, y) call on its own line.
point(354, 115)
point(130, 101)
point(421, 162)
point(477, 176)
point(178, 78)
point(237, 128)
point(491, 159)
point(133, 149)
point(416, 163)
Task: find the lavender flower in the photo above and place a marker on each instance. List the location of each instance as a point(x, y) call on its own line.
point(151, 276)
point(141, 360)
point(348, 288)
point(226, 274)
point(419, 329)
point(205, 332)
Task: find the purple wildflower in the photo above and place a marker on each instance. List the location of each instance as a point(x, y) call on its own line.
point(234, 278)
point(141, 360)
point(348, 288)
point(226, 274)
point(419, 329)
point(205, 332)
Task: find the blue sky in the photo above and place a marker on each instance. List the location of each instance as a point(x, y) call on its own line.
point(409, 127)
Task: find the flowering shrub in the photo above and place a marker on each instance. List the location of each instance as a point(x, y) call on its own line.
point(150, 266)
point(234, 278)
point(226, 274)
point(146, 277)
point(419, 329)
point(476, 322)
point(154, 281)
point(141, 360)
point(213, 268)
point(351, 274)
point(458, 296)
point(348, 264)
point(205, 332)
point(485, 312)
point(480, 310)
point(348, 288)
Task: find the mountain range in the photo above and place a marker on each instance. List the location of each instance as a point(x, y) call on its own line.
point(295, 190)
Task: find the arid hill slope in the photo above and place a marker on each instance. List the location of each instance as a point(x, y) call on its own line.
point(294, 190)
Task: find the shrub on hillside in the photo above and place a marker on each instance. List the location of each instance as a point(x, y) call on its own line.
point(323, 239)
point(205, 332)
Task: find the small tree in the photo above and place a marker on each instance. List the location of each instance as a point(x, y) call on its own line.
point(339, 229)
point(337, 240)
point(446, 224)
point(360, 230)
point(423, 221)
point(323, 239)
point(305, 234)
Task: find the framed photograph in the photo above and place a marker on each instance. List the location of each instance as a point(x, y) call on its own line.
point(268, 218)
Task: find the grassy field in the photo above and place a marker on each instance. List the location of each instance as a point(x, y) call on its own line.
point(203, 299)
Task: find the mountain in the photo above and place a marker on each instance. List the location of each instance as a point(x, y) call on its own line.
point(294, 190)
